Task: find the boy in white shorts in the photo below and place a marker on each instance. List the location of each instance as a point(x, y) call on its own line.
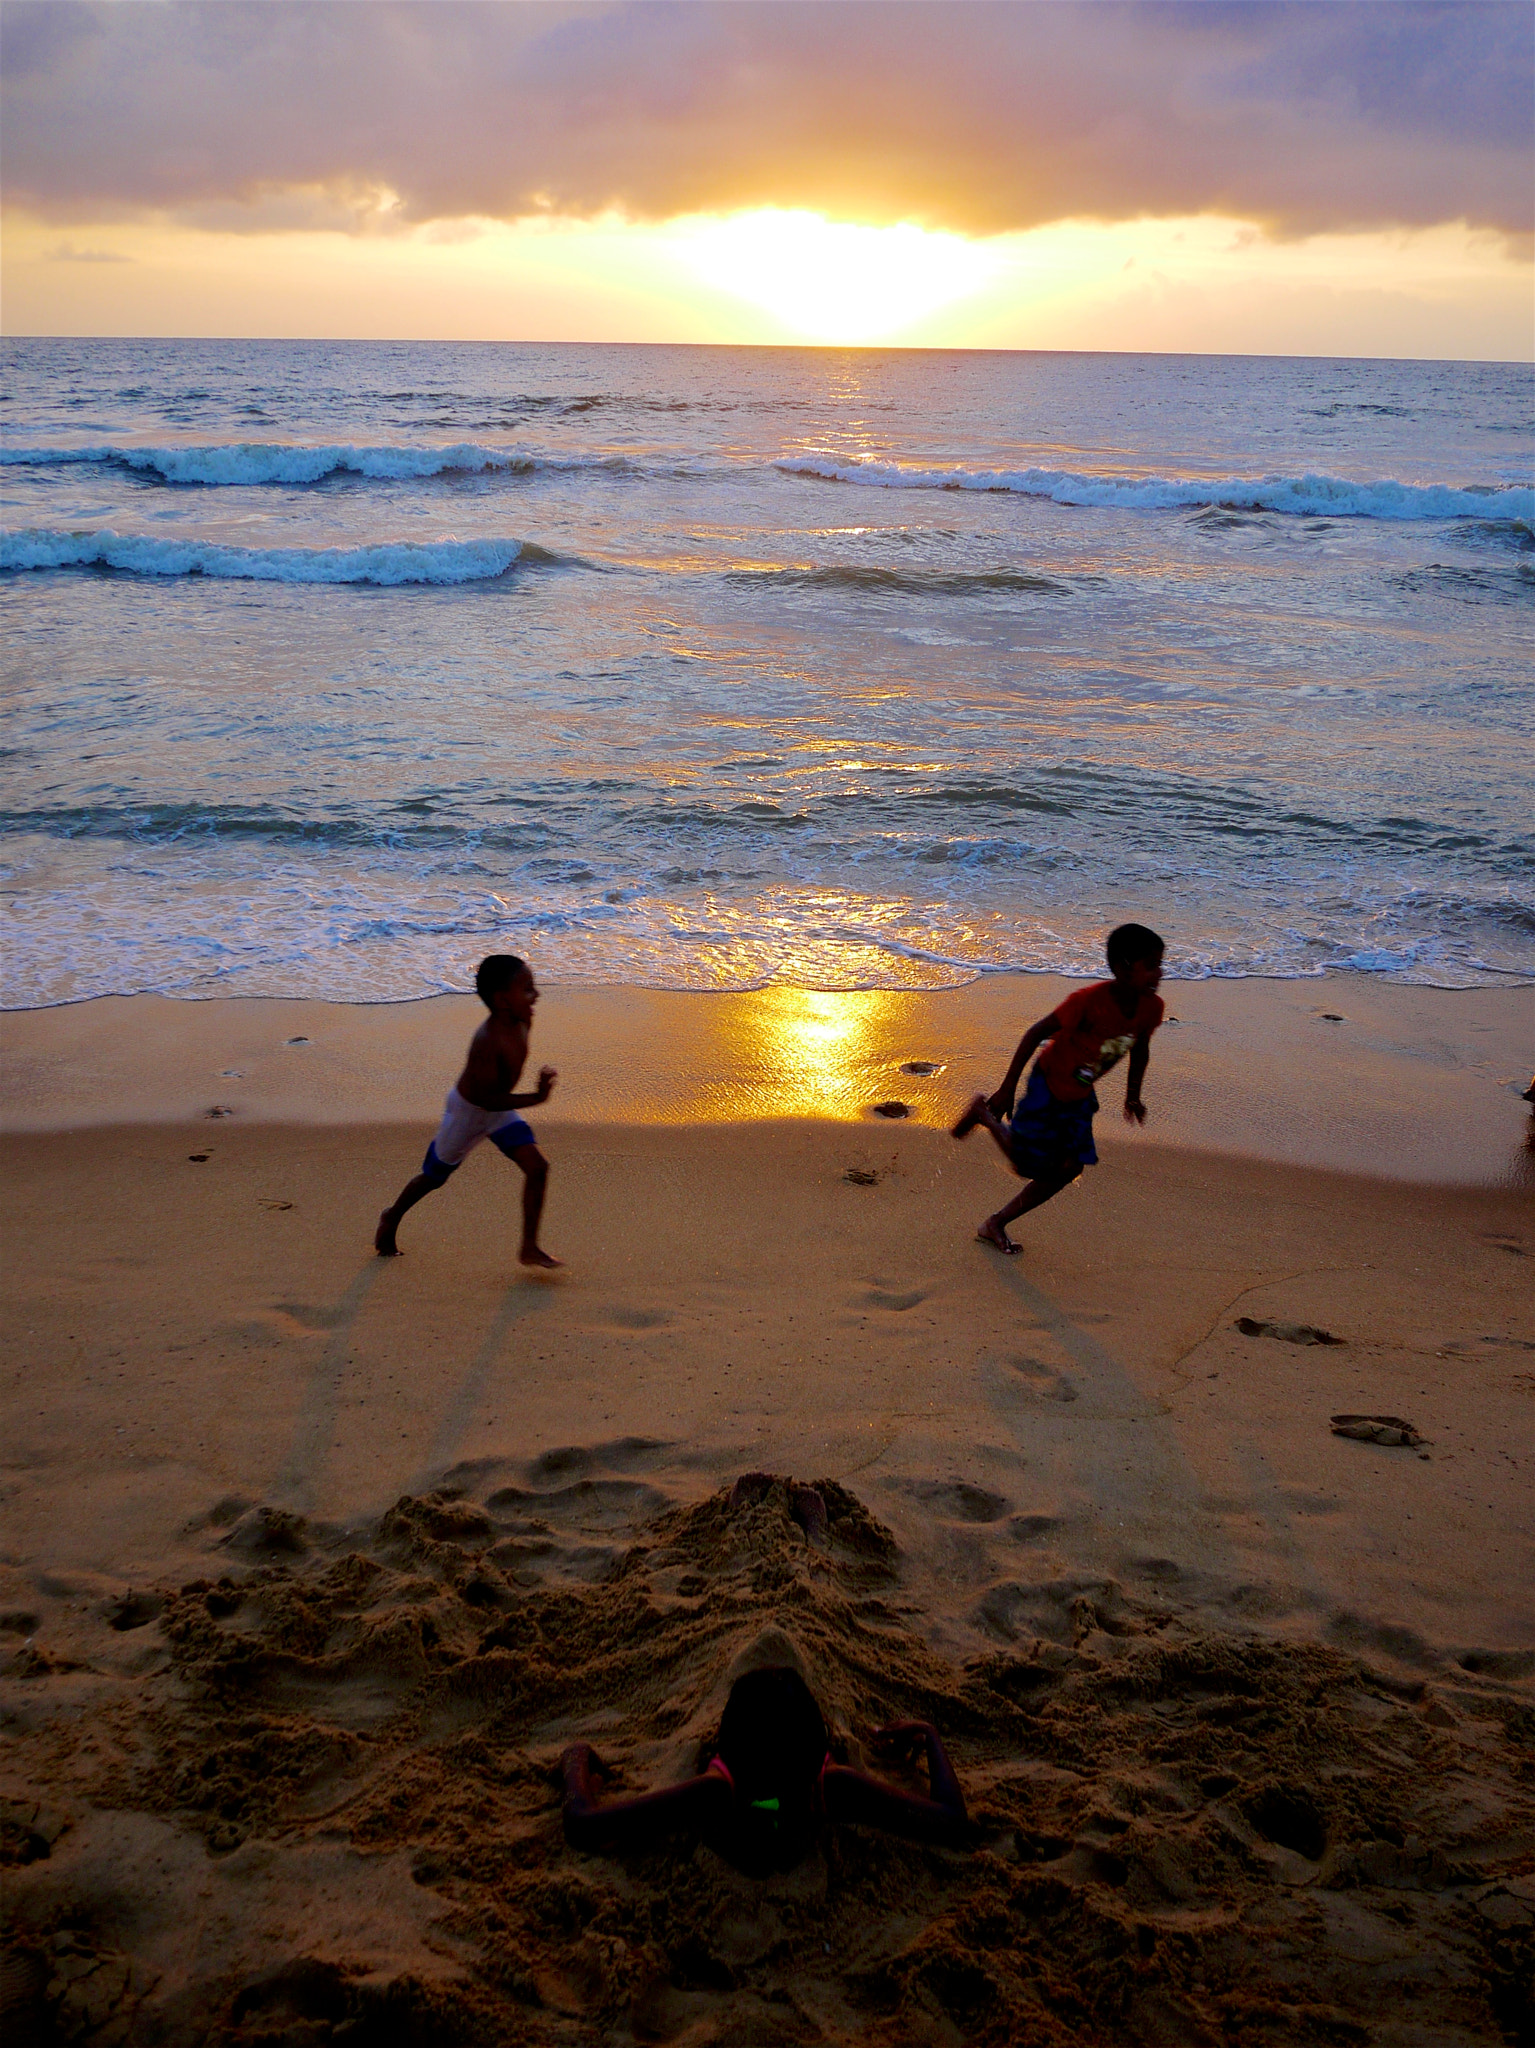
point(481, 1105)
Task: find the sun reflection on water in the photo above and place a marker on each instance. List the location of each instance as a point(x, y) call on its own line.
point(812, 1052)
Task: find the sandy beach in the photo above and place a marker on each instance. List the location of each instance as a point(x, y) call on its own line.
point(313, 1562)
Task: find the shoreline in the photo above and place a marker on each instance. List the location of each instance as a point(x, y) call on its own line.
point(1350, 1074)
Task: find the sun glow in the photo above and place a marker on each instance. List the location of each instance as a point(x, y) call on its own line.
point(830, 280)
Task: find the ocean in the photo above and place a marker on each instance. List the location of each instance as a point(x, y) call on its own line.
point(331, 667)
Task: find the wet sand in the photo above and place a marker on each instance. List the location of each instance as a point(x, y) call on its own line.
point(314, 1562)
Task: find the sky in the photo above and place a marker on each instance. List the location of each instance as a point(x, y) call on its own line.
point(1315, 178)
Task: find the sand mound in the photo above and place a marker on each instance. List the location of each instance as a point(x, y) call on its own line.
point(348, 1742)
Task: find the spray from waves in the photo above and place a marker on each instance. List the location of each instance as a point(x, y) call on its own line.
point(1325, 496)
point(276, 462)
point(389, 562)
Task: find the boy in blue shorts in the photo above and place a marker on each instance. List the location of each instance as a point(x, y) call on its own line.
point(481, 1105)
point(1048, 1138)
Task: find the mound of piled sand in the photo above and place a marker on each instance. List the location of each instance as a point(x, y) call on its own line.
point(325, 1805)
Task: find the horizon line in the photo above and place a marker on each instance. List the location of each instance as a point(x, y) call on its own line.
point(782, 347)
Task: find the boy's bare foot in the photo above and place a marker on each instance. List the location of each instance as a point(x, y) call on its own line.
point(992, 1233)
point(531, 1255)
point(971, 1117)
point(383, 1237)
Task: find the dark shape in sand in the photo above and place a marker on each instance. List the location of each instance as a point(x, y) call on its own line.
point(862, 1176)
point(1287, 1333)
point(892, 1109)
point(922, 1067)
point(1378, 1429)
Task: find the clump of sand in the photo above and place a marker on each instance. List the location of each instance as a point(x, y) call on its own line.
point(323, 1805)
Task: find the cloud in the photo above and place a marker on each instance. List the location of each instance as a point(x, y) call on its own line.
point(980, 117)
point(67, 253)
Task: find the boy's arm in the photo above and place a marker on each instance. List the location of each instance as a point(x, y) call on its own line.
point(1001, 1104)
point(851, 1795)
point(1140, 1060)
point(485, 1069)
point(589, 1825)
point(547, 1076)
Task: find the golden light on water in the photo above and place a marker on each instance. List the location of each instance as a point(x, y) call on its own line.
point(813, 1052)
point(833, 281)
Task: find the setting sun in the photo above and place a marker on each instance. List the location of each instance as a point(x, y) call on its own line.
point(832, 280)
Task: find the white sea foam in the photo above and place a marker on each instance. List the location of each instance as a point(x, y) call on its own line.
point(276, 462)
point(1316, 496)
point(390, 562)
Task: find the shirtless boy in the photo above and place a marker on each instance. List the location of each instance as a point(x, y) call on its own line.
point(1048, 1139)
point(482, 1105)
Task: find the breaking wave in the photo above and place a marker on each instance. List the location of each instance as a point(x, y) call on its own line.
point(388, 562)
point(275, 462)
point(1333, 496)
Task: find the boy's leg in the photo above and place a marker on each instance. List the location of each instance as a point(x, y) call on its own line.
point(1039, 1190)
point(534, 1168)
point(432, 1176)
point(981, 1112)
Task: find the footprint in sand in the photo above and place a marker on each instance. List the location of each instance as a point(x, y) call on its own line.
point(613, 1456)
point(884, 1297)
point(1043, 1380)
point(923, 1067)
point(310, 1320)
point(1513, 1664)
point(957, 1499)
point(892, 1109)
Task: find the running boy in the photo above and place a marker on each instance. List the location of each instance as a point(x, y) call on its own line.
point(1048, 1139)
point(482, 1105)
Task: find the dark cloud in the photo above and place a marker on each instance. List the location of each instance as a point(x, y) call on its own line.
point(981, 117)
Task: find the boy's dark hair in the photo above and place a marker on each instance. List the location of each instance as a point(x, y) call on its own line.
point(773, 1737)
point(496, 971)
point(1128, 943)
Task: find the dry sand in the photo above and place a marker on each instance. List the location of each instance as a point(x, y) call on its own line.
point(314, 1562)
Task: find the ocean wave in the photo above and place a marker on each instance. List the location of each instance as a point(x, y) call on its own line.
point(136, 554)
point(1512, 585)
point(386, 927)
point(1517, 536)
point(238, 463)
point(905, 582)
point(1333, 496)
